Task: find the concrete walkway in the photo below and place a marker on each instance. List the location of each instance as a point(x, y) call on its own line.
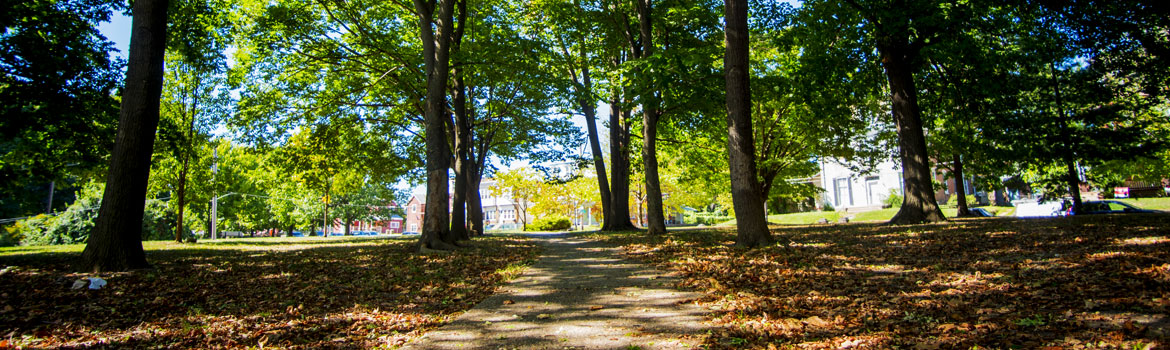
point(580, 295)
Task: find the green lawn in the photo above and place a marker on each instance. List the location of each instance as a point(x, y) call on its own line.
point(1149, 203)
point(812, 217)
point(250, 243)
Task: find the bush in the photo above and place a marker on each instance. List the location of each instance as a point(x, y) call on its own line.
point(827, 207)
point(551, 223)
point(75, 223)
point(894, 200)
point(954, 201)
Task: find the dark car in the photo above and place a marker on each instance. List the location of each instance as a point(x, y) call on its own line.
point(980, 212)
point(1111, 207)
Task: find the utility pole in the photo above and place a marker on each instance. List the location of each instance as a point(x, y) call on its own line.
point(49, 205)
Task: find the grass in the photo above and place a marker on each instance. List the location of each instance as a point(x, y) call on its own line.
point(968, 283)
point(1149, 203)
point(248, 243)
point(812, 217)
point(310, 292)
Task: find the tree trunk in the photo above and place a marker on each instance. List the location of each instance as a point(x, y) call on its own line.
point(752, 223)
point(474, 202)
point(1074, 189)
point(960, 189)
point(462, 164)
point(348, 221)
point(182, 200)
point(1074, 184)
point(584, 98)
point(461, 135)
point(325, 224)
point(655, 219)
point(116, 241)
point(918, 204)
point(436, 55)
point(619, 150)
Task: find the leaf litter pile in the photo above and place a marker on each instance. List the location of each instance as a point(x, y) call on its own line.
point(353, 294)
point(1067, 283)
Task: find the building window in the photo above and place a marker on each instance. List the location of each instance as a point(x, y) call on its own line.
point(842, 192)
point(413, 227)
point(393, 224)
point(413, 209)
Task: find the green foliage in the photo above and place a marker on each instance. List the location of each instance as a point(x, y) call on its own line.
point(550, 223)
point(58, 116)
point(708, 219)
point(894, 200)
point(75, 223)
point(954, 200)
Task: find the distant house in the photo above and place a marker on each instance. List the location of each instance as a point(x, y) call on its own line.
point(415, 208)
point(392, 224)
point(847, 190)
point(499, 213)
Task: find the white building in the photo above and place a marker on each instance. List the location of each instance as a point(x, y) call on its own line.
point(852, 191)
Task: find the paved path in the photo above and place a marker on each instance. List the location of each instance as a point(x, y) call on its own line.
point(580, 295)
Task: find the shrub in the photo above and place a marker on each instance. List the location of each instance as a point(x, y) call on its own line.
point(827, 207)
point(954, 200)
point(75, 223)
point(550, 223)
point(893, 200)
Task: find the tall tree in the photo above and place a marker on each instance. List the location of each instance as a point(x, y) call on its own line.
point(116, 243)
point(58, 115)
point(436, 26)
point(752, 225)
point(655, 219)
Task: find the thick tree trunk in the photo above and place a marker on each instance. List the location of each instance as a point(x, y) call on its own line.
point(347, 224)
point(918, 204)
point(960, 189)
point(462, 163)
point(116, 241)
point(752, 223)
point(474, 203)
point(585, 100)
point(1074, 184)
point(619, 150)
point(436, 55)
point(461, 136)
point(655, 219)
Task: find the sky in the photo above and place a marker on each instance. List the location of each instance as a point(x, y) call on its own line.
point(118, 31)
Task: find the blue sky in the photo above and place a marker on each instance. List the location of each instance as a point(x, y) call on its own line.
point(118, 31)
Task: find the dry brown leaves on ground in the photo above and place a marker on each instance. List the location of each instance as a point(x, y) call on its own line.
point(361, 295)
point(1065, 283)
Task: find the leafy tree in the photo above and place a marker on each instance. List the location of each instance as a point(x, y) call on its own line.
point(116, 243)
point(57, 109)
point(522, 185)
point(752, 225)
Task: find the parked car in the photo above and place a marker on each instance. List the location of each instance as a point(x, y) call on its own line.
point(980, 212)
point(297, 234)
point(1111, 207)
point(410, 233)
